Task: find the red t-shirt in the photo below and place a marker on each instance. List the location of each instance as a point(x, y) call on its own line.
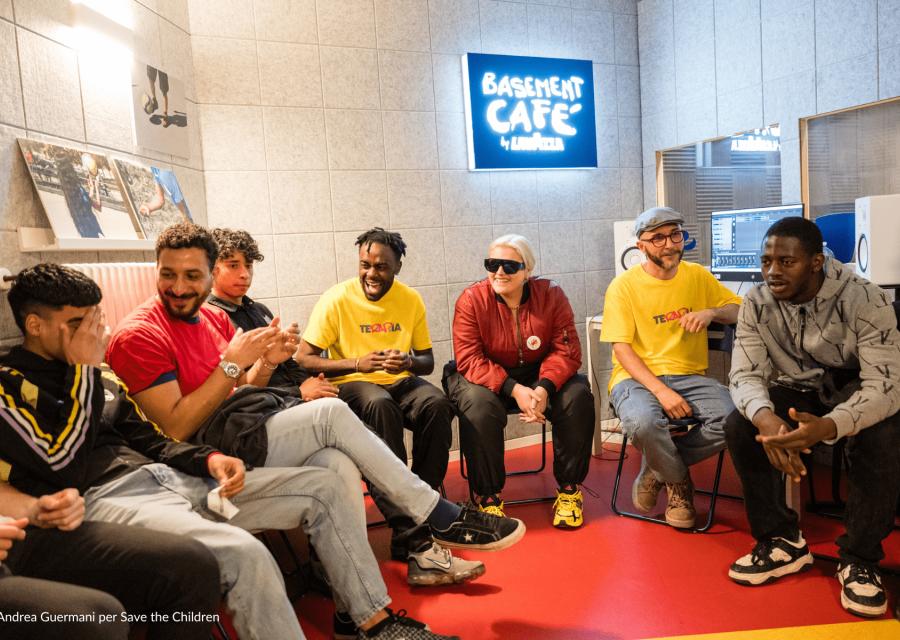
point(151, 347)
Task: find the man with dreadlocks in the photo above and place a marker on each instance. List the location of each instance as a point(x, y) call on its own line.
point(376, 334)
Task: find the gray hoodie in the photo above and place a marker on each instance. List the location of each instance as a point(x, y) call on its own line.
point(849, 325)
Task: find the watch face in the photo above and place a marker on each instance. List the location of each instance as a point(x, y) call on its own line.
point(231, 369)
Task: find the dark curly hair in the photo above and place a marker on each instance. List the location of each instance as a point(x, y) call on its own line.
point(231, 240)
point(390, 239)
point(187, 235)
point(50, 285)
point(805, 231)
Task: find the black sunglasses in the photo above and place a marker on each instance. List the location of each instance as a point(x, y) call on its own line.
point(510, 267)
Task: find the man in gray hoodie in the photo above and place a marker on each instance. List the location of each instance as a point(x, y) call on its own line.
point(816, 359)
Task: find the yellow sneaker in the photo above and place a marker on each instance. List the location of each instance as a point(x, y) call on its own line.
point(494, 507)
point(568, 510)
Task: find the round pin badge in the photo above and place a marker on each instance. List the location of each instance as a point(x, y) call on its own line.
point(533, 343)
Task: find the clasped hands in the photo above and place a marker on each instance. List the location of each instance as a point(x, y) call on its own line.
point(784, 446)
point(532, 403)
point(388, 360)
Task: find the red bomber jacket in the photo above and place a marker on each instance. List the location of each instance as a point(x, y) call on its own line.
point(487, 343)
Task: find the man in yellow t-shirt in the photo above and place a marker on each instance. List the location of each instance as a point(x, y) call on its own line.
point(656, 315)
point(375, 330)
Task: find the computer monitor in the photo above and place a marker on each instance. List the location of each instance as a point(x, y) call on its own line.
point(737, 238)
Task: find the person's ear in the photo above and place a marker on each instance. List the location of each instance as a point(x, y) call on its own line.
point(399, 266)
point(818, 262)
point(33, 325)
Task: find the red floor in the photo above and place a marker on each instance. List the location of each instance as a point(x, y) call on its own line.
point(615, 577)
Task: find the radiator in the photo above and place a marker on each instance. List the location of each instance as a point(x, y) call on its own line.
point(125, 285)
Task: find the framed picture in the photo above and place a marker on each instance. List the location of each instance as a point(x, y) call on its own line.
point(154, 195)
point(160, 111)
point(79, 191)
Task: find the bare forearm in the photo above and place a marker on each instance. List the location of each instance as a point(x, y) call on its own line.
point(317, 364)
point(14, 503)
point(421, 365)
point(182, 420)
point(727, 314)
point(636, 368)
point(259, 374)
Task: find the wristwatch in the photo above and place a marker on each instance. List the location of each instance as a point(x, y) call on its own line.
point(231, 369)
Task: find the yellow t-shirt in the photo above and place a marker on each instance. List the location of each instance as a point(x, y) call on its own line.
point(349, 325)
point(643, 311)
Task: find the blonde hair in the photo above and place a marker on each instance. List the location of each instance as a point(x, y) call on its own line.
point(519, 244)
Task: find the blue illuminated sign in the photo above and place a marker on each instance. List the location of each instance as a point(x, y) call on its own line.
point(529, 113)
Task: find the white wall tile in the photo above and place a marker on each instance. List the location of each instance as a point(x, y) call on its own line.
point(561, 249)
point(550, 31)
point(359, 199)
point(50, 86)
point(193, 187)
point(424, 260)
point(597, 243)
point(349, 23)
point(232, 137)
point(740, 111)
point(504, 27)
point(888, 23)
point(738, 55)
point(695, 52)
point(410, 139)
point(224, 18)
point(790, 170)
point(49, 18)
point(465, 249)
point(145, 35)
point(606, 101)
point(655, 30)
point(226, 70)
point(629, 142)
point(301, 201)
point(402, 25)
point(406, 81)
point(454, 26)
point(628, 91)
point(594, 36)
point(447, 74)
point(452, 150)
point(788, 99)
point(347, 253)
point(298, 309)
point(847, 83)
point(657, 81)
point(265, 281)
point(435, 299)
point(107, 101)
point(631, 192)
point(600, 194)
point(559, 194)
point(697, 120)
point(238, 200)
point(514, 197)
point(414, 199)
point(286, 20)
point(658, 131)
point(11, 108)
point(355, 139)
point(607, 142)
point(466, 198)
point(844, 29)
point(888, 72)
point(304, 263)
point(177, 56)
point(175, 11)
point(295, 138)
point(350, 77)
point(626, 35)
point(572, 284)
point(789, 42)
point(19, 206)
point(6, 10)
point(289, 74)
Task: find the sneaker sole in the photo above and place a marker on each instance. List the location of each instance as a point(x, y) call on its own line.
point(496, 545)
point(681, 524)
point(797, 566)
point(637, 505)
point(431, 579)
point(861, 610)
point(567, 526)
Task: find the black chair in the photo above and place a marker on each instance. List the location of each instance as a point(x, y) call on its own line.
point(720, 338)
point(450, 369)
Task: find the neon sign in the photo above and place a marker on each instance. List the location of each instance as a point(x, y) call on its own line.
point(529, 113)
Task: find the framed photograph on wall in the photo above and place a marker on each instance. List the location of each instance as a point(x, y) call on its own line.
point(79, 191)
point(154, 195)
point(160, 110)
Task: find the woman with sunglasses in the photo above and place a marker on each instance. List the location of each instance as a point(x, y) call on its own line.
point(517, 351)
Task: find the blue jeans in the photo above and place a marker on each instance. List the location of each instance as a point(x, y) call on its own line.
point(646, 424)
point(161, 498)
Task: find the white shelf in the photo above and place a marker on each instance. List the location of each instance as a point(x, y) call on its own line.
point(33, 239)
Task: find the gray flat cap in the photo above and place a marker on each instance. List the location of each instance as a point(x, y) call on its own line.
point(656, 217)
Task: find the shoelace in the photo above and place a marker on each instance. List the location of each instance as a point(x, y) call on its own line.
point(864, 574)
point(762, 551)
point(494, 510)
point(566, 501)
point(679, 495)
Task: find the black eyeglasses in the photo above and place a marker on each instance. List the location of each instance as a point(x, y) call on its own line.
point(659, 240)
point(510, 267)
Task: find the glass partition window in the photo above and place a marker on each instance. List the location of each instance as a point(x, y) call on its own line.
point(739, 172)
point(850, 154)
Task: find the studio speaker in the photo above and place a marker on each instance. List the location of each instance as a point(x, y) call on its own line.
point(878, 238)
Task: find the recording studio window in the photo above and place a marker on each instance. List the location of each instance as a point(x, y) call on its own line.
point(849, 154)
point(737, 172)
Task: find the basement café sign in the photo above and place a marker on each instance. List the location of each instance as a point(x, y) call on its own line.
point(529, 113)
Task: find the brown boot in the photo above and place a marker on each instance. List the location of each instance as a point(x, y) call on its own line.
point(680, 511)
point(645, 491)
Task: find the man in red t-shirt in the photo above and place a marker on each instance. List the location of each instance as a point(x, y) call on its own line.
point(182, 360)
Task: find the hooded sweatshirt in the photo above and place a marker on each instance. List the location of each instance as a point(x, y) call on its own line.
point(843, 344)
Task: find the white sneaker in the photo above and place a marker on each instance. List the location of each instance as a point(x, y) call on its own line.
point(861, 591)
point(436, 565)
point(770, 559)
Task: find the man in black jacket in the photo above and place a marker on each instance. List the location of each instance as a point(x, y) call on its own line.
point(65, 424)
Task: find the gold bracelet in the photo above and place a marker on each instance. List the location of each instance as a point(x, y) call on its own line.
point(268, 365)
